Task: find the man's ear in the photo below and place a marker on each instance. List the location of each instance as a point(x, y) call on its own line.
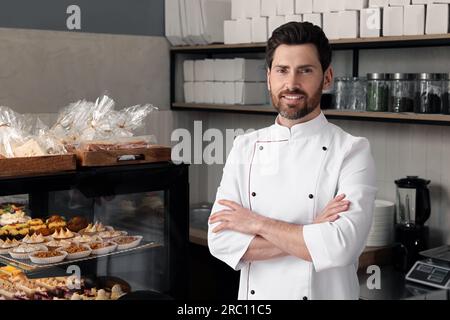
point(328, 78)
point(268, 79)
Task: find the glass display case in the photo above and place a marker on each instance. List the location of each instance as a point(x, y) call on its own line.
point(147, 204)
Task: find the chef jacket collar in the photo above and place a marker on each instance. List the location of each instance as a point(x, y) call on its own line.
point(301, 130)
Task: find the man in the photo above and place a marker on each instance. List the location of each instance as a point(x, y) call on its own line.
point(271, 219)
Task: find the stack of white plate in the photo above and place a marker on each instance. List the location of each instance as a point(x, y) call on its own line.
point(382, 231)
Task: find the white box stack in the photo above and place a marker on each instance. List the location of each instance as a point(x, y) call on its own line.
point(285, 7)
point(331, 25)
point(414, 20)
point(293, 18)
point(437, 19)
point(356, 4)
point(348, 24)
point(260, 27)
point(274, 23)
point(225, 81)
point(268, 8)
point(370, 23)
point(393, 21)
point(303, 6)
point(314, 18)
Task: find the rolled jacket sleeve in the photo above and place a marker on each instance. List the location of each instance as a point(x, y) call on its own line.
point(340, 243)
point(229, 246)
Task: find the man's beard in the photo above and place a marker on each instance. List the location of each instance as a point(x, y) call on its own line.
point(296, 112)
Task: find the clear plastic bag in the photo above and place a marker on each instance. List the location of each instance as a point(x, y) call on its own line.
point(26, 136)
point(84, 121)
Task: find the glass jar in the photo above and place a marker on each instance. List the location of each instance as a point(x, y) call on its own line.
point(446, 94)
point(341, 93)
point(401, 92)
point(429, 93)
point(377, 92)
point(357, 94)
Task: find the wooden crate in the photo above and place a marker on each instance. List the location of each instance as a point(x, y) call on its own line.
point(36, 165)
point(155, 153)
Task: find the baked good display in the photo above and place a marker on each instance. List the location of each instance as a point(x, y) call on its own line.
point(63, 234)
point(11, 208)
point(77, 223)
point(127, 242)
point(33, 239)
point(7, 245)
point(102, 247)
point(87, 238)
point(77, 251)
point(22, 251)
point(93, 228)
point(35, 222)
point(13, 218)
point(56, 244)
point(47, 257)
point(110, 234)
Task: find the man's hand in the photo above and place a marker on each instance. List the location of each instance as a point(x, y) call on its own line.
point(332, 210)
point(237, 218)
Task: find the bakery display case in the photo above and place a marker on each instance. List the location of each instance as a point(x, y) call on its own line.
point(96, 233)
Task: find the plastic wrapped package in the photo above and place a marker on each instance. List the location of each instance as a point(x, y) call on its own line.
point(85, 121)
point(26, 136)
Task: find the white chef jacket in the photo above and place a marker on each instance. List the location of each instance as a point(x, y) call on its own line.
point(290, 175)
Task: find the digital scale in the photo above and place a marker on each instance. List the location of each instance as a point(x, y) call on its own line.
point(435, 270)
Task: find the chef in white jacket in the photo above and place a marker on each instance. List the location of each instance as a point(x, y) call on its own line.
point(294, 207)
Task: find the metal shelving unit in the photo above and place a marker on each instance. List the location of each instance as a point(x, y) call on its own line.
point(355, 45)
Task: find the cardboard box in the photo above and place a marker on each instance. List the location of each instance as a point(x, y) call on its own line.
point(274, 23)
point(189, 92)
point(260, 28)
point(230, 31)
point(244, 30)
point(252, 8)
point(303, 6)
point(249, 70)
point(394, 3)
point(414, 20)
point(349, 24)
point(331, 25)
point(219, 92)
point(237, 9)
point(336, 5)
point(320, 6)
point(209, 92)
point(293, 18)
point(356, 4)
point(393, 21)
point(224, 70)
point(285, 7)
point(229, 92)
point(199, 92)
point(314, 18)
point(268, 8)
point(188, 70)
point(437, 19)
point(370, 23)
point(378, 3)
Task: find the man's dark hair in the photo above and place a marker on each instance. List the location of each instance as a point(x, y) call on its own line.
point(295, 33)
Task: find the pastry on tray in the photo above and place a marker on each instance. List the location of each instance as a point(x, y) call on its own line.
point(22, 251)
point(33, 239)
point(47, 257)
point(127, 242)
point(77, 223)
point(63, 234)
point(56, 244)
point(93, 228)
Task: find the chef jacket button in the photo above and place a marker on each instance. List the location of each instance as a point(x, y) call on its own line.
point(252, 292)
point(261, 148)
point(311, 196)
point(324, 148)
point(253, 194)
point(305, 298)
